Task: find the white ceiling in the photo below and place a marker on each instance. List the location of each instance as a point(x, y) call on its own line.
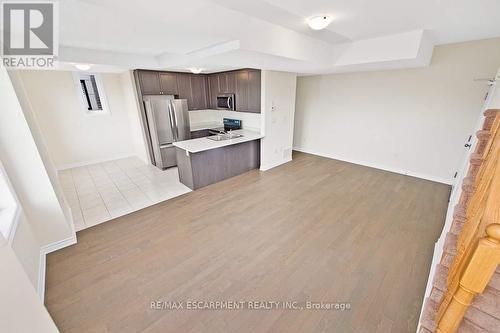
point(269, 34)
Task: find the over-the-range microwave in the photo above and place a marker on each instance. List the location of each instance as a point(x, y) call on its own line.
point(225, 102)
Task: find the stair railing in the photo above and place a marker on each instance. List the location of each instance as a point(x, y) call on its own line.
point(478, 247)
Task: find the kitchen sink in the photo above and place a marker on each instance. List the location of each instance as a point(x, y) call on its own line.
point(226, 136)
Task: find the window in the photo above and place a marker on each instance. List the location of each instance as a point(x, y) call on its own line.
point(9, 207)
point(91, 92)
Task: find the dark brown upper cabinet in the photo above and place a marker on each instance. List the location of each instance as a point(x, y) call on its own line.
point(244, 83)
point(158, 83)
point(241, 90)
point(199, 92)
point(150, 83)
point(254, 91)
point(194, 88)
point(168, 83)
point(227, 82)
point(213, 88)
point(184, 87)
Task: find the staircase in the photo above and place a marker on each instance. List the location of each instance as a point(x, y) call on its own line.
point(464, 239)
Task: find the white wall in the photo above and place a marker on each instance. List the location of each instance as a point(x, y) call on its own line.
point(250, 121)
point(278, 108)
point(74, 137)
point(27, 248)
point(26, 170)
point(43, 221)
point(409, 121)
point(132, 106)
point(20, 307)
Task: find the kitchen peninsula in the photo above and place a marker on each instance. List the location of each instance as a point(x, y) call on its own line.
point(207, 160)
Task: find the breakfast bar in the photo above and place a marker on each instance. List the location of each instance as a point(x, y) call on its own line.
point(204, 161)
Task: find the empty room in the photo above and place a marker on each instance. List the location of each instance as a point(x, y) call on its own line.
point(250, 166)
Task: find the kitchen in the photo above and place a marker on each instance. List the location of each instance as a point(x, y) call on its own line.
point(208, 125)
point(99, 138)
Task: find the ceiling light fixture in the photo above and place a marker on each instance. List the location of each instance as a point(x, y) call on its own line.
point(83, 67)
point(195, 70)
point(319, 22)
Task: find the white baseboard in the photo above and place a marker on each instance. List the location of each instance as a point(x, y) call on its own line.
point(101, 160)
point(377, 166)
point(44, 250)
point(265, 167)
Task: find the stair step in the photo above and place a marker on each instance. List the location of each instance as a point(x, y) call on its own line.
point(456, 226)
point(424, 330)
point(450, 243)
point(489, 118)
point(482, 319)
point(436, 295)
point(468, 185)
point(488, 302)
point(491, 113)
point(459, 212)
point(483, 135)
point(429, 315)
point(495, 280)
point(447, 260)
point(468, 327)
point(476, 159)
point(440, 277)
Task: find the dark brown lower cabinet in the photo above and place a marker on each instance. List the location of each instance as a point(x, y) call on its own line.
point(223, 163)
point(200, 134)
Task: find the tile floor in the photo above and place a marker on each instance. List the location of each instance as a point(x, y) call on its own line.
point(100, 192)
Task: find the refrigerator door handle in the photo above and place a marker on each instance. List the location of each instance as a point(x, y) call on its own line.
point(172, 120)
point(176, 122)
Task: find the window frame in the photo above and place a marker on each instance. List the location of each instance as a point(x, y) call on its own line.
point(11, 211)
point(100, 88)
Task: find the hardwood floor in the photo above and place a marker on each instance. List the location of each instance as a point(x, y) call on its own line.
point(314, 229)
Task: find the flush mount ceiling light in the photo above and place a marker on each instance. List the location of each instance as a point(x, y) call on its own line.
point(83, 67)
point(319, 22)
point(195, 70)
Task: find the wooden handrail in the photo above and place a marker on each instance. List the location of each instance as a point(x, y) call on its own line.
point(474, 280)
point(477, 256)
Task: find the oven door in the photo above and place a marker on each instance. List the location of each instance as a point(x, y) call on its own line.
point(225, 102)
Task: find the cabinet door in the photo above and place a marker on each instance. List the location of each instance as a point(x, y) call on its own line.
point(168, 83)
point(213, 83)
point(150, 83)
point(184, 87)
point(254, 91)
point(227, 82)
point(241, 90)
point(231, 82)
point(199, 91)
point(222, 83)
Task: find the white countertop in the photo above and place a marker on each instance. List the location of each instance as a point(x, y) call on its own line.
point(202, 144)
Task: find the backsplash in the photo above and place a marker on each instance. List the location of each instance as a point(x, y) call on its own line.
point(250, 121)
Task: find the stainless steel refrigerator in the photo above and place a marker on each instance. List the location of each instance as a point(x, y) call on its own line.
point(167, 122)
